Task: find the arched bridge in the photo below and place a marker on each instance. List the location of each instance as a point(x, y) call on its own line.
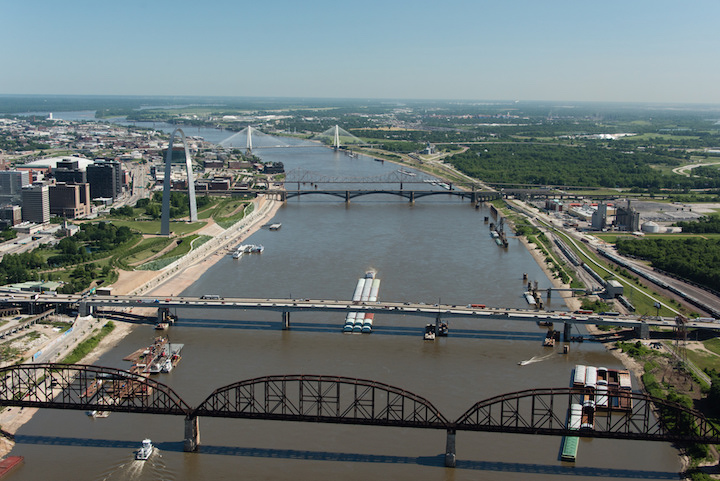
point(328, 399)
point(411, 195)
point(333, 399)
point(87, 388)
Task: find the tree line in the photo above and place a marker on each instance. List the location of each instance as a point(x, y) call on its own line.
point(694, 258)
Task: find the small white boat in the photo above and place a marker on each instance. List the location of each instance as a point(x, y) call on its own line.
point(167, 366)
point(97, 414)
point(145, 450)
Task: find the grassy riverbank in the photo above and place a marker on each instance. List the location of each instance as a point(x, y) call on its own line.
point(88, 345)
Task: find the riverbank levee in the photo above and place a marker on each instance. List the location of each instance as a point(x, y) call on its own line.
point(183, 272)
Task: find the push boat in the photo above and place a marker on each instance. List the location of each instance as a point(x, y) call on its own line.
point(146, 449)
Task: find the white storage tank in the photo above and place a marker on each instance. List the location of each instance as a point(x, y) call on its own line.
point(651, 227)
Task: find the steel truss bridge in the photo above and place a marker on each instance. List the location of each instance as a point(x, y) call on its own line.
point(343, 400)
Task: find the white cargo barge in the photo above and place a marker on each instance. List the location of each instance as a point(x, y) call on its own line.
point(529, 298)
point(366, 290)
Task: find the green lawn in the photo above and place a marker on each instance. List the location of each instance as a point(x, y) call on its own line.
point(704, 360)
point(153, 226)
point(713, 345)
point(147, 248)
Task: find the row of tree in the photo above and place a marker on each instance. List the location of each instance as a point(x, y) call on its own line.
point(573, 166)
point(694, 258)
point(704, 225)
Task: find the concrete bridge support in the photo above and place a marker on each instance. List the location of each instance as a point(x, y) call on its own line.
point(84, 309)
point(192, 434)
point(347, 196)
point(286, 321)
point(450, 456)
point(567, 332)
point(412, 196)
point(643, 331)
point(163, 313)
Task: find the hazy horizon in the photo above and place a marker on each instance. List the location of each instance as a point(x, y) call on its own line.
point(560, 51)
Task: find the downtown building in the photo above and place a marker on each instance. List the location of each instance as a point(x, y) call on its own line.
point(11, 184)
point(36, 203)
point(106, 179)
point(70, 200)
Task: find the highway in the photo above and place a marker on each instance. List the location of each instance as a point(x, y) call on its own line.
point(281, 305)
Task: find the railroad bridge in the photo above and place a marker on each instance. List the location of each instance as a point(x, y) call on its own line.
point(344, 400)
point(347, 195)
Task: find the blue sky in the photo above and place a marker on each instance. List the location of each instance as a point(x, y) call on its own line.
point(637, 50)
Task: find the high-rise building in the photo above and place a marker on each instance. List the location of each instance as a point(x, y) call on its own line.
point(68, 171)
point(105, 178)
point(10, 215)
point(70, 200)
point(36, 203)
point(11, 184)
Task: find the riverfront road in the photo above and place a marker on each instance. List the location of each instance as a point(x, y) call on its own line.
point(86, 304)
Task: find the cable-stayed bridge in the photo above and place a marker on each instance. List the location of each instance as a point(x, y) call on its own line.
point(335, 136)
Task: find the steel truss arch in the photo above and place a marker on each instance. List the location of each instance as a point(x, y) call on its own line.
point(629, 415)
point(324, 399)
point(87, 388)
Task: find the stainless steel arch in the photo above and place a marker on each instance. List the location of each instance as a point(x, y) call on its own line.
point(165, 221)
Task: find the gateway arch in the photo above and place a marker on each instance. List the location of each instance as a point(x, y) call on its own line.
point(165, 221)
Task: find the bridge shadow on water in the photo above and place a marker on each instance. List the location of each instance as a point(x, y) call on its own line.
point(437, 461)
point(378, 330)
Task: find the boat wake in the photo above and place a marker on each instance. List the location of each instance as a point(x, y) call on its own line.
point(154, 468)
point(536, 359)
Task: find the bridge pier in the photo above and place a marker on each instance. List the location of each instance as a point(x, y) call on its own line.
point(84, 309)
point(549, 292)
point(163, 313)
point(347, 196)
point(192, 434)
point(567, 332)
point(450, 457)
point(643, 330)
point(286, 321)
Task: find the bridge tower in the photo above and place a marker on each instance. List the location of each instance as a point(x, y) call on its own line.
point(249, 141)
point(165, 220)
point(336, 140)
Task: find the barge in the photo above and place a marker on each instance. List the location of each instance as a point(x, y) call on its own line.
point(366, 290)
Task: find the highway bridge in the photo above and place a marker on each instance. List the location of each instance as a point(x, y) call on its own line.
point(86, 305)
point(343, 400)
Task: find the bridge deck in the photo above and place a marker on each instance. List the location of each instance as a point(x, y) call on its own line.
point(344, 306)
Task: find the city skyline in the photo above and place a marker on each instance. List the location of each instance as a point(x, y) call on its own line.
point(562, 51)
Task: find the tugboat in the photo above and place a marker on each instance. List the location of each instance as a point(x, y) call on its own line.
point(145, 450)
point(429, 332)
